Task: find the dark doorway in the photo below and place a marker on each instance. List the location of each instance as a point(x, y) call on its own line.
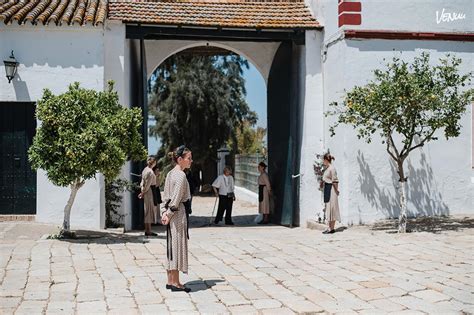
point(17, 179)
point(283, 142)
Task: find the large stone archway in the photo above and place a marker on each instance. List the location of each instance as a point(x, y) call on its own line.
point(278, 61)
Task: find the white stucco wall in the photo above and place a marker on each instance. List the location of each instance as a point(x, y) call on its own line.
point(440, 174)
point(117, 68)
point(54, 57)
point(401, 15)
point(312, 125)
point(368, 187)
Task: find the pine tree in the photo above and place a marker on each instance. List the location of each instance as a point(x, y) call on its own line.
point(199, 101)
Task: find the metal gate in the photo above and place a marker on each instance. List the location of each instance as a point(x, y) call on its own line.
point(17, 179)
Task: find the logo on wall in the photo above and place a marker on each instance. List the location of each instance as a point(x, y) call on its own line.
point(349, 13)
point(448, 16)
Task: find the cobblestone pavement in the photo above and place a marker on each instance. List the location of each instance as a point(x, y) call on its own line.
point(244, 269)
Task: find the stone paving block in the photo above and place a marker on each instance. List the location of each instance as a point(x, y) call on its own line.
point(254, 294)
point(231, 298)
point(391, 291)
point(409, 286)
point(211, 308)
point(122, 311)
point(60, 305)
point(32, 306)
point(430, 296)
point(367, 294)
point(153, 309)
point(120, 302)
point(179, 304)
point(242, 309)
point(266, 303)
point(374, 284)
point(387, 306)
point(62, 296)
point(8, 311)
point(86, 296)
point(9, 302)
point(151, 297)
point(407, 312)
point(348, 285)
point(414, 303)
point(303, 306)
point(39, 294)
point(452, 304)
point(204, 296)
point(277, 311)
point(93, 307)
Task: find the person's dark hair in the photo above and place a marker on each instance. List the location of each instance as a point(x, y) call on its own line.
point(179, 152)
point(328, 157)
point(262, 164)
point(150, 160)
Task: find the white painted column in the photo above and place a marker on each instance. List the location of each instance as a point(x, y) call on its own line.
point(313, 132)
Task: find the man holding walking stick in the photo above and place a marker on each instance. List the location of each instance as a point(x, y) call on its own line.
point(224, 188)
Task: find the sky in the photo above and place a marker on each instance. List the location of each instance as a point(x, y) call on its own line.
point(256, 98)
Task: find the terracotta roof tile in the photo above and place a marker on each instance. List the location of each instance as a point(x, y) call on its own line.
point(229, 13)
point(59, 12)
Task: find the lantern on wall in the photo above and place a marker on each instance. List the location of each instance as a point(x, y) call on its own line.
point(11, 66)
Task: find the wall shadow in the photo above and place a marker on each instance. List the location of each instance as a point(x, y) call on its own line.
point(436, 224)
point(383, 199)
point(423, 196)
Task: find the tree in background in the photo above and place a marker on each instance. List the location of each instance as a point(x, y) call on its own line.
point(406, 104)
point(250, 140)
point(84, 132)
point(199, 101)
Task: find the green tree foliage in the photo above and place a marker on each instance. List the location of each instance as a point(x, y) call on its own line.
point(84, 132)
point(199, 100)
point(250, 140)
point(406, 104)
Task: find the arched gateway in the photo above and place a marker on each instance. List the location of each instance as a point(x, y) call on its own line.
point(270, 34)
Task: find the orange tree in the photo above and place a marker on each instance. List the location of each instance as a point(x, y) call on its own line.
point(406, 104)
point(84, 132)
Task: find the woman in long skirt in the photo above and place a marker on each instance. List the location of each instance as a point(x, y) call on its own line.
point(264, 193)
point(147, 186)
point(176, 194)
point(331, 193)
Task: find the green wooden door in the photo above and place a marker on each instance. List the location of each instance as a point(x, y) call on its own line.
point(283, 140)
point(17, 179)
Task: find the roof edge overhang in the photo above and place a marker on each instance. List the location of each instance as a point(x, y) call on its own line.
point(156, 31)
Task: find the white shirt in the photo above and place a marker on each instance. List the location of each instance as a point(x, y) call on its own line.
point(225, 184)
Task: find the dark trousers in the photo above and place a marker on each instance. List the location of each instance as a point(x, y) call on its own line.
point(225, 204)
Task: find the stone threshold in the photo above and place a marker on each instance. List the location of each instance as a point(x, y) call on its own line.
point(17, 217)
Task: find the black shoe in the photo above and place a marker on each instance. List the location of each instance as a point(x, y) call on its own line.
point(177, 289)
point(168, 286)
point(329, 232)
point(263, 222)
point(229, 223)
point(151, 234)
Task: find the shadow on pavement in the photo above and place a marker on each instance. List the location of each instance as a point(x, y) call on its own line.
point(207, 221)
point(201, 285)
point(436, 224)
point(105, 237)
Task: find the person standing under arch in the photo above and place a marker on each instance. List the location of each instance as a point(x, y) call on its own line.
point(176, 193)
point(147, 185)
point(224, 189)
